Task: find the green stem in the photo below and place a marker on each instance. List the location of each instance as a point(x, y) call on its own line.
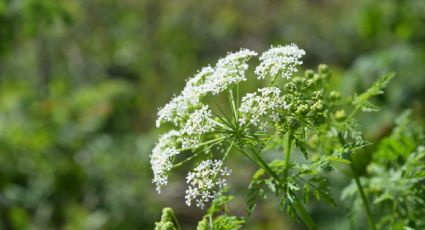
point(237, 98)
point(210, 222)
point(359, 186)
point(228, 150)
point(351, 115)
point(229, 123)
point(233, 107)
point(195, 154)
point(297, 204)
point(176, 221)
point(206, 143)
point(364, 199)
point(287, 157)
point(303, 213)
point(265, 166)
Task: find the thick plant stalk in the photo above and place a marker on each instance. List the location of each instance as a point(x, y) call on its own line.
point(297, 204)
point(287, 157)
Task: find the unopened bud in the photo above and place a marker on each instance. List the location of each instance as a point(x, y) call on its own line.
point(323, 69)
point(340, 115)
point(309, 73)
point(334, 95)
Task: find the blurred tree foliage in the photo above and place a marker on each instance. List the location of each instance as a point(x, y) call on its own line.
point(80, 81)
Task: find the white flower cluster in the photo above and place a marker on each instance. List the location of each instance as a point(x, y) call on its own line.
point(161, 158)
point(229, 70)
point(280, 60)
point(267, 103)
point(193, 119)
point(190, 97)
point(198, 123)
point(204, 184)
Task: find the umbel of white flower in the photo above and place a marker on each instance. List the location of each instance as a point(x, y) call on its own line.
point(228, 72)
point(280, 61)
point(197, 128)
point(161, 158)
point(199, 122)
point(204, 182)
point(264, 104)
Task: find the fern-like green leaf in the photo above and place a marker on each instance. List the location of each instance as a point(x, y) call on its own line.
point(361, 101)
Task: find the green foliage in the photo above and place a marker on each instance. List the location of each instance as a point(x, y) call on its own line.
point(217, 217)
point(305, 183)
point(362, 101)
point(394, 180)
point(58, 151)
point(335, 141)
point(80, 82)
point(167, 220)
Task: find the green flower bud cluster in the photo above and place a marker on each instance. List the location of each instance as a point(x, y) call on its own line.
point(166, 222)
point(308, 99)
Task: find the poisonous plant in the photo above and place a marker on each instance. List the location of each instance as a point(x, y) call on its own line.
point(293, 113)
point(395, 179)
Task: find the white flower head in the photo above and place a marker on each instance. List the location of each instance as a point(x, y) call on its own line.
point(280, 60)
point(177, 108)
point(196, 86)
point(180, 106)
point(266, 103)
point(229, 71)
point(199, 122)
point(205, 183)
point(161, 158)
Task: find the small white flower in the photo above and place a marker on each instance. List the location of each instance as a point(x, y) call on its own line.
point(221, 182)
point(179, 107)
point(268, 104)
point(161, 157)
point(190, 142)
point(204, 182)
point(196, 87)
point(280, 60)
point(199, 122)
point(229, 71)
point(226, 171)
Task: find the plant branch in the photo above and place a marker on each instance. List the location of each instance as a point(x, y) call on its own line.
point(287, 157)
point(359, 187)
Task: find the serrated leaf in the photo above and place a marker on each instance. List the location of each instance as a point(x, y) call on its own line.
point(322, 190)
point(369, 107)
point(218, 204)
point(224, 222)
point(339, 159)
point(302, 147)
point(383, 197)
point(376, 89)
point(302, 213)
point(354, 146)
point(255, 192)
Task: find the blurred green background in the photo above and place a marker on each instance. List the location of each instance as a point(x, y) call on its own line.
point(81, 81)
